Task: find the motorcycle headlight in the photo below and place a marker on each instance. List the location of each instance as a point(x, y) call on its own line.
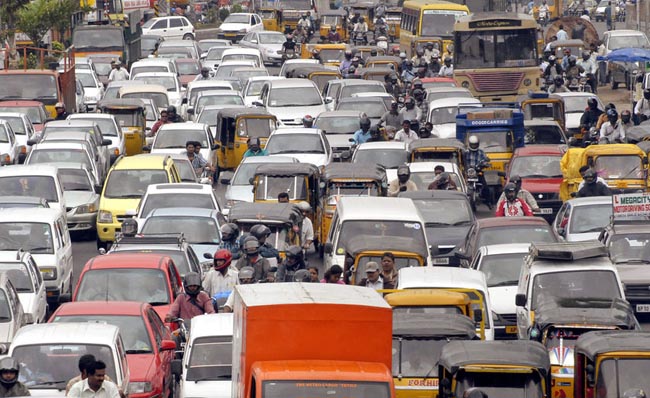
point(105, 216)
point(48, 273)
point(471, 173)
point(87, 208)
point(139, 387)
point(574, 81)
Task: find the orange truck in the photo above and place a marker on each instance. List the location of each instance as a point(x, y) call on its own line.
point(311, 340)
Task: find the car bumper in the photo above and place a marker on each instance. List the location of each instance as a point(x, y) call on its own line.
point(106, 232)
point(505, 327)
point(234, 37)
point(82, 222)
point(53, 294)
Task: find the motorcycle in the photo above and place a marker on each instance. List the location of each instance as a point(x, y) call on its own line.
point(543, 18)
point(382, 42)
point(359, 38)
point(289, 54)
point(474, 185)
point(579, 84)
point(180, 336)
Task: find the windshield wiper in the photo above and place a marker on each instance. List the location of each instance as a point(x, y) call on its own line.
point(208, 378)
point(505, 283)
point(205, 243)
point(594, 229)
point(459, 223)
point(155, 303)
point(435, 224)
point(6, 97)
point(313, 151)
point(131, 196)
point(139, 351)
point(85, 189)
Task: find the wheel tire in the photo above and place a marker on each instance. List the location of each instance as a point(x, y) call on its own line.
point(188, 36)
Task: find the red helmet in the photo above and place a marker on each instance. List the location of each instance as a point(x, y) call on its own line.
point(222, 254)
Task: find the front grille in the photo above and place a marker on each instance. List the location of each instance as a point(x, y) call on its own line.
point(546, 196)
point(509, 318)
point(639, 291)
point(445, 249)
point(503, 81)
point(121, 218)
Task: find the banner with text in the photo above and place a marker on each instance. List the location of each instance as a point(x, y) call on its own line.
point(631, 205)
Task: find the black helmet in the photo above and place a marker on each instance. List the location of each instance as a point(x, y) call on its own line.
point(589, 176)
point(443, 179)
point(8, 364)
point(192, 279)
point(592, 103)
point(417, 93)
point(302, 275)
point(364, 122)
point(374, 131)
point(229, 231)
point(447, 61)
point(586, 55)
point(510, 190)
point(260, 231)
point(348, 54)
point(572, 60)
point(559, 80)
point(417, 84)
point(171, 109)
point(612, 115)
point(205, 69)
point(129, 227)
point(410, 103)
point(251, 246)
point(626, 116)
point(516, 180)
point(294, 252)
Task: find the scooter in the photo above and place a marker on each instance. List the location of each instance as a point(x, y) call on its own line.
point(289, 54)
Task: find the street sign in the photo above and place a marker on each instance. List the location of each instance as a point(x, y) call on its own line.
point(631, 205)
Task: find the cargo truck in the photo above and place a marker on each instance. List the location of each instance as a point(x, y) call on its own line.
point(311, 340)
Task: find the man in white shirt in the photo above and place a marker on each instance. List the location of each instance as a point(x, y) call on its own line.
point(94, 386)
point(223, 277)
point(406, 134)
point(373, 277)
point(562, 34)
point(642, 108)
point(118, 74)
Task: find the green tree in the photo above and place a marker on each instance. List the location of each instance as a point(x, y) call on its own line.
point(61, 17)
point(35, 19)
point(9, 19)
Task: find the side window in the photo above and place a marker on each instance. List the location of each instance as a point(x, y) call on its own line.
point(252, 20)
point(175, 23)
point(162, 24)
point(13, 298)
point(121, 355)
point(158, 326)
point(195, 264)
point(38, 278)
point(476, 262)
point(560, 214)
point(65, 237)
point(174, 278)
point(157, 330)
point(58, 237)
point(185, 22)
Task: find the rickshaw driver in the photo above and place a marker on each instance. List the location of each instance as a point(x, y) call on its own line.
point(198, 162)
point(402, 183)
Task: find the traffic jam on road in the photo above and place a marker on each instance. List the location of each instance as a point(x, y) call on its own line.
point(410, 200)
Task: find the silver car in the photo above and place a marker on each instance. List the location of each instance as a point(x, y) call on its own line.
point(268, 42)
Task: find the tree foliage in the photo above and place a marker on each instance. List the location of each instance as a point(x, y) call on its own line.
point(9, 17)
point(35, 19)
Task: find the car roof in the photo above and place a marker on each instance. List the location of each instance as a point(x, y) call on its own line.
point(209, 83)
point(29, 170)
point(65, 332)
point(70, 123)
point(382, 145)
point(441, 277)
point(592, 200)
point(434, 194)
point(493, 222)
point(532, 150)
point(291, 83)
point(183, 211)
point(208, 325)
point(505, 248)
point(452, 101)
point(91, 308)
point(59, 145)
point(182, 187)
point(155, 74)
point(183, 126)
point(241, 50)
point(377, 208)
point(13, 114)
point(377, 100)
point(297, 130)
point(269, 159)
point(145, 161)
point(339, 113)
point(92, 115)
point(126, 260)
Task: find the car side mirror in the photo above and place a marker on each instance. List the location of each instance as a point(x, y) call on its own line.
point(478, 315)
point(28, 319)
point(329, 100)
point(32, 142)
point(167, 345)
point(146, 149)
point(208, 256)
point(65, 298)
point(257, 103)
point(177, 368)
point(502, 174)
point(645, 161)
point(520, 300)
point(190, 111)
point(351, 140)
point(215, 147)
point(253, 41)
point(433, 250)
point(251, 181)
point(328, 248)
point(184, 100)
point(106, 142)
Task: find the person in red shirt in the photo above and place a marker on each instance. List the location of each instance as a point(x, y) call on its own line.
point(512, 206)
point(193, 302)
point(163, 120)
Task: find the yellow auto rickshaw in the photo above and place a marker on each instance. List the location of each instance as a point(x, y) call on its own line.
point(271, 18)
point(334, 18)
point(234, 127)
point(419, 43)
point(328, 54)
point(366, 51)
point(612, 363)
point(622, 166)
point(498, 368)
point(437, 149)
point(376, 74)
point(378, 61)
point(559, 323)
point(130, 115)
point(418, 339)
point(318, 74)
point(366, 9)
point(344, 179)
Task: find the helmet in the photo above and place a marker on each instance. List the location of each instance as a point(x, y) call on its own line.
point(374, 131)
point(410, 103)
point(572, 60)
point(592, 103)
point(393, 78)
point(129, 227)
point(516, 180)
point(417, 83)
point(302, 275)
point(443, 179)
point(626, 116)
point(510, 190)
point(171, 109)
point(308, 120)
point(205, 69)
point(260, 231)
point(229, 231)
point(612, 115)
point(251, 246)
point(418, 93)
point(589, 176)
point(351, 70)
point(304, 206)
point(393, 105)
point(559, 80)
point(429, 44)
point(294, 252)
point(364, 122)
point(315, 52)
point(192, 279)
point(473, 142)
point(447, 60)
point(348, 54)
point(403, 170)
point(551, 59)
point(408, 63)
point(361, 20)
point(246, 273)
point(402, 55)
point(373, 52)
point(222, 254)
point(8, 364)
point(586, 55)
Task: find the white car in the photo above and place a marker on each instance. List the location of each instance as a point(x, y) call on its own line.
point(222, 98)
point(574, 106)
point(9, 148)
point(236, 25)
point(152, 65)
point(442, 114)
point(110, 131)
point(212, 57)
point(168, 195)
point(226, 67)
point(243, 54)
point(81, 197)
point(13, 315)
point(65, 152)
point(253, 87)
point(582, 219)
point(209, 113)
point(240, 188)
point(502, 265)
point(28, 282)
point(172, 137)
point(40, 181)
point(304, 61)
point(269, 43)
point(291, 99)
point(391, 155)
point(168, 80)
point(305, 144)
point(93, 88)
point(23, 130)
point(194, 88)
point(169, 28)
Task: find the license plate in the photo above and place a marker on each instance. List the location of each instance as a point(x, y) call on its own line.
point(441, 261)
point(511, 329)
point(229, 34)
point(546, 211)
point(643, 308)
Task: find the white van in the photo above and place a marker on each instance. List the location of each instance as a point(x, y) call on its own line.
point(44, 233)
point(12, 317)
point(450, 278)
point(206, 368)
point(49, 354)
point(38, 180)
point(24, 274)
point(374, 216)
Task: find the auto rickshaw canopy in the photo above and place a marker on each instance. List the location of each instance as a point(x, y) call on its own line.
point(377, 243)
point(354, 171)
point(522, 353)
point(378, 73)
point(442, 325)
point(287, 170)
point(121, 104)
point(427, 297)
point(592, 344)
point(265, 213)
point(380, 60)
point(568, 312)
point(575, 158)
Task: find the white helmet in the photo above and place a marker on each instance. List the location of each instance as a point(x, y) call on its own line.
point(473, 143)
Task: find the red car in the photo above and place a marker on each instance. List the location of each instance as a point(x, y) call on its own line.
point(188, 69)
point(144, 277)
point(430, 82)
point(34, 110)
point(539, 169)
point(147, 341)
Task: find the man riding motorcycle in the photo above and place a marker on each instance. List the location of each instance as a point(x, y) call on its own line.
point(512, 206)
point(558, 86)
point(360, 30)
point(289, 48)
point(574, 70)
point(612, 131)
point(591, 115)
point(590, 68)
point(475, 158)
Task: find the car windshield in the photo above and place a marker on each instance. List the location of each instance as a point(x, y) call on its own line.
point(245, 19)
point(255, 126)
point(34, 237)
point(272, 38)
point(295, 96)
point(500, 48)
point(372, 109)
point(128, 184)
point(107, 126)
point(206, 100)
point(423, 179)
point(132, 329)
point(417, 357)
point(170, 138)
point(19, 276)
point(619, 167)
point(87, 80)
point(618, 375)
point(502, 385)
point(195, 229)
point(49, 366)
point(331, 55)
point(75, 180)
point(389, 158)
point(543, 135)
point(515, 234)
point(148, 68)
point(102, 67)
point(439, 22)
point(29, 87)
point(224, 71)
point(244, 74)
point(210, 359)
point(215, 53)
point(33, 186)
point(382, 229)
point(33, 113)
point(194, 92)
point(59, 156)
point(435, 309)
point(348, 90)
point(162, 201)
point(148, 44)
point(98, 39)
point(294, 143)
point(630, 248)
point(443, 115)
point(338, 125)
point(536, 167)
point(16, 124)
point(166, 81)
point(4, 135)
point(502, 269)
point(628, 41)
point(577, 104)
point(124, 284)
point(185, 170)
point(331, 389)
point(244, 173)
point(587, 284)
point(590, 218)
point(188, 68)
point(437, 212)
point(255, 88)
point(498, 141)
point(160, 99)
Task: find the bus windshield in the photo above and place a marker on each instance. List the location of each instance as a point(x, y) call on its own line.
point(496, 49)
point(439, 22)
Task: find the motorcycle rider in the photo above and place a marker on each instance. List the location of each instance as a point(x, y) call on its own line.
point(642, 108)
point(612, 131)
point(9, 384)
point(360, 29)
point(558, 86)
point(406, 134)
point(391, 117)
point(591, 115)
point(289, 45)
point(392, 85)
point(421, 103)
point(512, 206)
point(431, 51)
point(192, 302)
point(407, 71)
point(333, 36)
point(434, 66)
point(410, 111)
point(381, 28)
point(375, 135)
point(443, 182)
point(229, 236)
point(402, 183)
point(61, 114)
point(245, 276)
point(346, 63)
point(255, 148)
point(603, 117)
point(587, 63)
point(363, 134)
point(253, 258)
point(294, 261)
point(573, 70)
point(419, 55)
point(626, 120)
point(553, 68)
point(305, 24)
point(521, 194)
point(476, 159)
point(543, 12)
point(447, 70)
point(262, 232)
point(222, 278)
point(592, 187)
point(204, 75)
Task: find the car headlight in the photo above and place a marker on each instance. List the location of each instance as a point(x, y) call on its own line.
point(48, 273)
point(4, 348)
point(105, 216)
point(242, 30)
point(87, 208)
point(139, 387)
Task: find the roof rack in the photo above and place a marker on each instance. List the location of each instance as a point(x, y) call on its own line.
point(158, 239)
point(567, 251)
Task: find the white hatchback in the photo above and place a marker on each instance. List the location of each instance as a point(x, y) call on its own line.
point(28, 282)
point(291, 99)
point(169, 28)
